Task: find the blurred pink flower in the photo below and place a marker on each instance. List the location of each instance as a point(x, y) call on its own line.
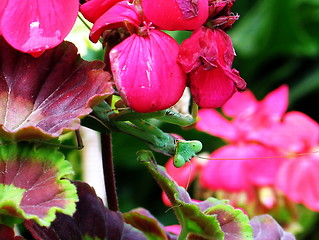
point(262, 130)
point(250, 119)
point(207, 57)
point(176, 229)
point(245, 136)
point(34, 26)
point(298, 175)
point(250, 168)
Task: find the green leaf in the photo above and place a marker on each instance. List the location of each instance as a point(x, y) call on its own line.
point(210, 219)
point(32, 184)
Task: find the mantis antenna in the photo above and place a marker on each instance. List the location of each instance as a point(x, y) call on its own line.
point(267, 157)
point(185, 150)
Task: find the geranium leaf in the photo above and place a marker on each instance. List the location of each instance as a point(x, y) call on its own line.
point(265, 227)
point(143, 220)
point(210, 219)
point(31, 183)
point(46, 96)
point(92, 220)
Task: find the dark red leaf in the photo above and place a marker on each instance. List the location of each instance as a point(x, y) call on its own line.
point(46, 96)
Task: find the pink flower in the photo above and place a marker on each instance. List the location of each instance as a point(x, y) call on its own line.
point(119, 14)
point(249, 168)
point(263, 129)
point(251, 119)
point(298, 175)
point(176, 229)
point(144, 65)
point(34, 26)
point(245, 135)
point(176, 14)
point(146, 73)
point(207, 57)
point(94, 9)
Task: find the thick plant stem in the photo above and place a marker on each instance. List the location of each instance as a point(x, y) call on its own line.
point(108, 169)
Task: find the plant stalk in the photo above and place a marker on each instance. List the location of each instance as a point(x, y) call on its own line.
point(108, 169)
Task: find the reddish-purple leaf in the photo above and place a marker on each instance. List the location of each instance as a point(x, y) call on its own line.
point(143, 220)
point(43, 97)
point(31, 184)
point(91, 219)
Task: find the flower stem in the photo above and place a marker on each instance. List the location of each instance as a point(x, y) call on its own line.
point(108, 169)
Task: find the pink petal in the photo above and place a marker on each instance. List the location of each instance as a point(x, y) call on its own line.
point(298, 178)
point(224, 44)
point(276, 103)
point(198, 50)
point(183, 175)
point(94, 9)
point(208, 56)
point(241, 104)
point(264, 164)
point(3, 4)
point(168, 15)
point(228, 175)
point(214, 123)
point(249, 167)
point(41, 24)
point(212, 89)
point(297, 133)
point(146, 73)
point(165, 200)
point(204, 47)
point(176, 229)
point(114, 18)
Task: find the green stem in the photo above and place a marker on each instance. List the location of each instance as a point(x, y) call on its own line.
point(84, 22)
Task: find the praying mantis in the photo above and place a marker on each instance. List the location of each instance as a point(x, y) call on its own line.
point(137, 125)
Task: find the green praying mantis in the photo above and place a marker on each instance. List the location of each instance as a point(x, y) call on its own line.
point(139, 126)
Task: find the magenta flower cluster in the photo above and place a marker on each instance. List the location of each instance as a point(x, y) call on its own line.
point(265, 147)
point(149, 68)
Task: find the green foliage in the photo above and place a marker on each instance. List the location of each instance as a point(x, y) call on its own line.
point(210, 219)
